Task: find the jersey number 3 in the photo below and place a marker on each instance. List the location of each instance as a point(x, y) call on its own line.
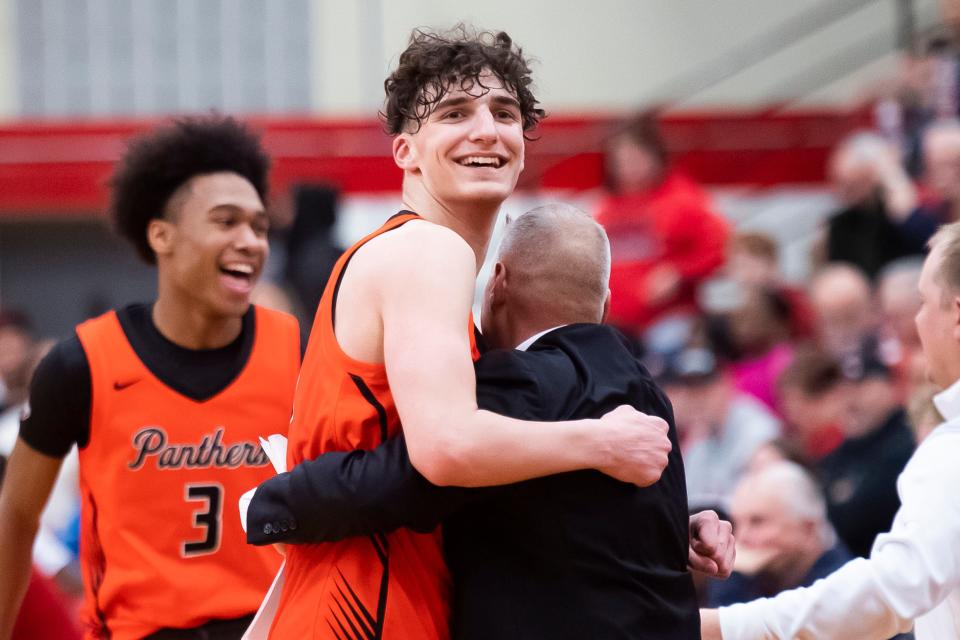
point(207, 517)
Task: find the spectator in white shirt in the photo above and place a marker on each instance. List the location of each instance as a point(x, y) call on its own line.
point(913, 572)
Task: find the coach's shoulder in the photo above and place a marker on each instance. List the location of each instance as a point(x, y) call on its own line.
point(509, 384)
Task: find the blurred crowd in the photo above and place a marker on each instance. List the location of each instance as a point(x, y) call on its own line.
point(798, 403)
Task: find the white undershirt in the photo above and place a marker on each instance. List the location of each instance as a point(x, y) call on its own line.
point(523, 346)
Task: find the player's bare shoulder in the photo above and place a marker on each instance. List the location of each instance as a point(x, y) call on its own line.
point(417, 262)
point(417, 242)
point(401, 258)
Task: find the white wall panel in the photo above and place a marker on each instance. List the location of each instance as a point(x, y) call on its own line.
point(619, 54)
point(9, 99)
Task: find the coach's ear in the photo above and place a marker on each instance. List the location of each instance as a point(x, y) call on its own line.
point(606, 308)
point(160, 236)
point(956, 317)
point(498, 285)
point(405, 153)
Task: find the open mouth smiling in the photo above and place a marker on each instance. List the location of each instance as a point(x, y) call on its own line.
point(239, 270)
point(494, 162)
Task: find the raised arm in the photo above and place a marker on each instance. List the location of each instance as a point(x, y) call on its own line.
point(29, 479)
point(425, 294)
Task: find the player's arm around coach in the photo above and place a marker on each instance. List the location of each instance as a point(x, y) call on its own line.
point(556, 261)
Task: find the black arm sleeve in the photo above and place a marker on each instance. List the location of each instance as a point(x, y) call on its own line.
point(917, 229)
point(353, 493)
point(58, 413)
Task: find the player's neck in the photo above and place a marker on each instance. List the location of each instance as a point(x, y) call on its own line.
point(473, 222)
point(185, 325)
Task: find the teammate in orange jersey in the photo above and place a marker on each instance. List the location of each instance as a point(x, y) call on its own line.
point(390, 344)
point(165, 401)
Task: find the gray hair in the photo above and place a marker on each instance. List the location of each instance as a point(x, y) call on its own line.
point(902, 274)
point(847, 277)
point(910, 265)
point(799, 493)
point(561, 251)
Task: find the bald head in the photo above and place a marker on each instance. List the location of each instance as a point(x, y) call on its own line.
point(842, 299)
point(900, 298)
point(553, 268)
point(840, 284)
point(942, 136)
point(559, 252)
point(853, 166)
point(941, 158)
point(899, 278)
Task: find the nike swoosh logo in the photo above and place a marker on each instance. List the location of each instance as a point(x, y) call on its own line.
point(120, 386)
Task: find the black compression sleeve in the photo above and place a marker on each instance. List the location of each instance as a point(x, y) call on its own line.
point(60, 394)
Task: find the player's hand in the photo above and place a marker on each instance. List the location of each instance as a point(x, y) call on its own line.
point(712, 549)
point(637, 445)
point(710, 625)
point(900, 194)
point(280, 548)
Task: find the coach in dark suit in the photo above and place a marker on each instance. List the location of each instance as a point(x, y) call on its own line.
point(575, 555)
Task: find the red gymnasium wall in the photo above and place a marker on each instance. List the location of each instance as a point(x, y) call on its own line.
point(61, 168)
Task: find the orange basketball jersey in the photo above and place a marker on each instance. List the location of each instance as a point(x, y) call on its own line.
point(161, 542)
point(392, 586)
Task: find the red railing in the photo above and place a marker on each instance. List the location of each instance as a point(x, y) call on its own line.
point(57, 168)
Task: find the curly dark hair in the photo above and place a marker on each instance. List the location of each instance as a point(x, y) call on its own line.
point(158, 163)
point(434, 62)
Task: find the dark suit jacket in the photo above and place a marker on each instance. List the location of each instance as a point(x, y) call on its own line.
point(575, 555)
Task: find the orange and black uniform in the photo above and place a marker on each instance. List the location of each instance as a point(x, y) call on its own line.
point(162, 466)
point(393, 586)
point(565, 557)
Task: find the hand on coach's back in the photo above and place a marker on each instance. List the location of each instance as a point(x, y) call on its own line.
point(636, 445)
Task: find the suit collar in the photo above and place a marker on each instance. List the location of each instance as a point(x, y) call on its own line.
point(948, 401)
